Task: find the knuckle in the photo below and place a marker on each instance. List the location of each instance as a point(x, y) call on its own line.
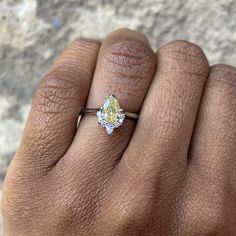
point(56, 94)
point(223, 75)
point(222, 84)
point(86, 44)
point(87, 49)
point(185, 57)
point(129, 58)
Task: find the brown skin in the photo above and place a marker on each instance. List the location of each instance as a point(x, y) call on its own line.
point(171, 173)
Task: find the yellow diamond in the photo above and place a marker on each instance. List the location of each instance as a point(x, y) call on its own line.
point(111, 110)
point(110, 115)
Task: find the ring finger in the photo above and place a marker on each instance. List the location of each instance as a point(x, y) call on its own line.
point(125, 67)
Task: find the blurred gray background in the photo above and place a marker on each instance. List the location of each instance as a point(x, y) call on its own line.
point(34, 32)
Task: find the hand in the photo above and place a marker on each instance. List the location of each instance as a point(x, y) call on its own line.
point(171, 173)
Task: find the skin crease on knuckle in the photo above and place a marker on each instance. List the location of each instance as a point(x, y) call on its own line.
point(130, 58)
point(186, 56)
point(47, 209)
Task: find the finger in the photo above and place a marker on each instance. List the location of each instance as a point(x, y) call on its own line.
point(125, 67)
point(168, 114)
point(214, 142)
point(62, 93)
point(154, 162)
point(212, 155)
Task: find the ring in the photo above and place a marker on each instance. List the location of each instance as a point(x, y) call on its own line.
point(110, 115)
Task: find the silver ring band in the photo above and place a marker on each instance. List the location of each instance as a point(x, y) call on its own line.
point(93, 111)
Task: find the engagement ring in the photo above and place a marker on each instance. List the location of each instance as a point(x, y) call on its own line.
point(110, 115)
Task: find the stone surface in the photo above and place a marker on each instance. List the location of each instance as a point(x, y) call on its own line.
point(33, 33)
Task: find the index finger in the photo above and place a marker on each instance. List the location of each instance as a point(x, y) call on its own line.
point(61, 95)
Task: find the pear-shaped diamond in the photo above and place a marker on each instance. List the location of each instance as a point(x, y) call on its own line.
point(110, 115)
